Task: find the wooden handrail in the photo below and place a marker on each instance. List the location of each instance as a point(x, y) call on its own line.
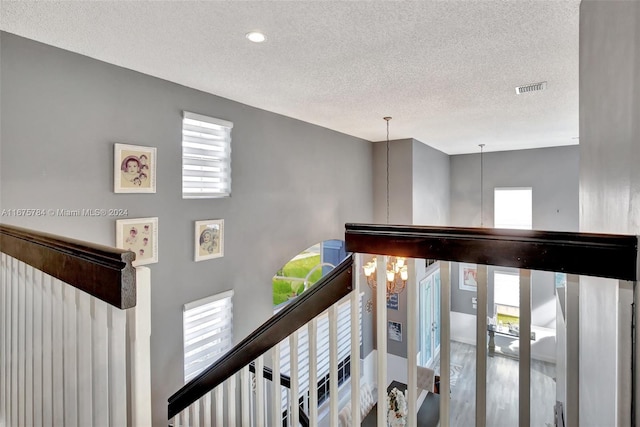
point(101, 271)
point(590, 254)
point(322, 295)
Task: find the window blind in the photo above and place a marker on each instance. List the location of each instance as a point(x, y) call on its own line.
point(206, 157)
point(208, 327)
point(513, 208)
point(344, 346)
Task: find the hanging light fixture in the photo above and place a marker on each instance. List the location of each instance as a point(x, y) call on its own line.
point(481, 184)
point(396, 271)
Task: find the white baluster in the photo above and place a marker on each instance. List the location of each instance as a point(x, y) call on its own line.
point(4, 285)
point(84, 350)
point(445, 342)
point(381, 338)
point(57, 363)
point(333, 365)
point(259, 364)
point(219, 396)
point(47, 349)
point(572, 290)
point(207, 413)
point(70, 357)
point(231, 401)
point(524, 415)
point(194, 410)
point(37, 348)
point(29, 271)
point(21, 343)
point(412, 344)
point(117, 367)
point(481, 347)
point(355, 343)
point(100, 362)
point(276, 389)
point(313, 371)
point(294, 409)
point(245, 390)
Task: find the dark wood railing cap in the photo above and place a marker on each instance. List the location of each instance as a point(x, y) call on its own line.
point(591, 254)
point(101, 271)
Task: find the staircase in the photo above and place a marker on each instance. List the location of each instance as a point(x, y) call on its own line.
point(238, 389)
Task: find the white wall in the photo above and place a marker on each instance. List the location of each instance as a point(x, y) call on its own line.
point(609, 196)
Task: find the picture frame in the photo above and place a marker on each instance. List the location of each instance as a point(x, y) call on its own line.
point(393, 302)
point(468, 277)
point(394, 330)
point(209, 239)
point(134, 169)
point(139, 235)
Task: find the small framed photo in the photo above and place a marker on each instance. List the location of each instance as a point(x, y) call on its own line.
point(134, 169)
point(139, 235)
point(209, 239)
point(468, 276)
point(393, 302)
point(394, 330)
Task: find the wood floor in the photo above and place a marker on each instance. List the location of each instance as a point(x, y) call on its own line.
point(502, 390)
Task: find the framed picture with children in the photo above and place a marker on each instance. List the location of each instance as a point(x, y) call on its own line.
point(139, 235)
point(134, 169)
point(209, 239)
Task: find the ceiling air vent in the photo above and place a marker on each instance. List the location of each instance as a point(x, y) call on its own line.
point(531, 88)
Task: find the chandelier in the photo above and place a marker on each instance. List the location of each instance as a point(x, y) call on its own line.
point(396, 275)
point(396, 272)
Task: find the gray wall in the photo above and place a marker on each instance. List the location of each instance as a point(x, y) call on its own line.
point(609, 197)
point(431, 185)
point(294, 184)
point(551, 172)
point(419, 194)
point(553, 175)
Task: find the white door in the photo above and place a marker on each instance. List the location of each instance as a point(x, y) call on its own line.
point(429, 316)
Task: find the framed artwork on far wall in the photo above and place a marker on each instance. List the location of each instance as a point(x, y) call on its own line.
point(394, 330)
point(468, 275)
point(209, 239)
point(139, 235)
point(134, 169)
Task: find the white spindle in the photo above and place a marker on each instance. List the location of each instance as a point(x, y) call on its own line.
point(57, 364)
point(37, 348)
point(47, 349)
point(572, 302)
point(355, 342)
point(333, 365)
point(218, 394)
point(20, 362)
point(186, 419)
point(276, 388)
point(139, 327)
point(294, 412)
point(445, 343)
point(69, 355)
point(100, 362)
point(259, 375)
point(481, 347)
point(313, 372)
point(231, 401)
point(84, 349)
point(194, 413)
point(412, 344)
point(525, 349)
point(4, 284)
point(117, 366)
point(207, 410)
point(245, 390)
point(381, 337)
point(28, 419)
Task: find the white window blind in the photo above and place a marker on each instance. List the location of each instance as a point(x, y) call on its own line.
point(344, 345)
point(208, 325)
point(206, 157)
point(506, 289)
point(513, 208)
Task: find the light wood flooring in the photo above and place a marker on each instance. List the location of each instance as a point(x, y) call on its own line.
point(502, 390)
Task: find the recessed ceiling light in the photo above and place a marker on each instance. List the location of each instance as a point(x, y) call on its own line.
point(256, 37)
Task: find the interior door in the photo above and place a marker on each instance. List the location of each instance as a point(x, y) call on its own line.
point(429, 316)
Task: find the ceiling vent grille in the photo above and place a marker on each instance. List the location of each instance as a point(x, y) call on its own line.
point(531, 88)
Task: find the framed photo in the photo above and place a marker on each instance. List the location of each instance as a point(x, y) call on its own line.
point(139, 235)
point(392, 302)
point(134, 169)
point(394, 330)
point(209, 239)
point(468, 277)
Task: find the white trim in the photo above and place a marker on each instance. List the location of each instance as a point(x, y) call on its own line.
point(207, 119)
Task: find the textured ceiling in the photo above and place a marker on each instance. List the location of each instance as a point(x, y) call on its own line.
point(446, 71)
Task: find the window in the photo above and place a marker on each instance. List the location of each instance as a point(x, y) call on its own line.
point(322, 361)
point(207, 332)
point(206, 157)
point(513, 208)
